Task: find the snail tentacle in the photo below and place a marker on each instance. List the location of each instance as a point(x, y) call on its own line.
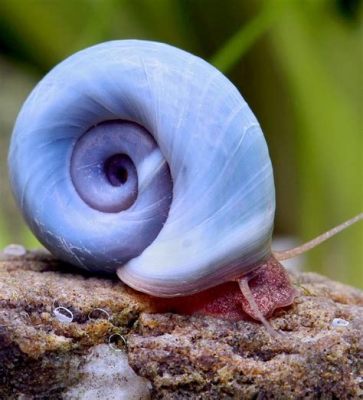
point(246, 291)
point(286, 254)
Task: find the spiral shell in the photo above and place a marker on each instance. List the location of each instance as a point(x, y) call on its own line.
point(140, 158)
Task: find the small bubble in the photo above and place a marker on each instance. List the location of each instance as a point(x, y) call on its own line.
point(15, 250)
point(99, 313)
point(63, 315)
point(117, 342)
point(339, 322)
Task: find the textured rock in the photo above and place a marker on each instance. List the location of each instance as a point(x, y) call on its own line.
point(45, 349)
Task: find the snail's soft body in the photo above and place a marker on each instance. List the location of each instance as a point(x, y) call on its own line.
point(140, 158)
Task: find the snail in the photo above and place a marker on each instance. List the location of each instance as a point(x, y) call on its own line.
point(139, 158)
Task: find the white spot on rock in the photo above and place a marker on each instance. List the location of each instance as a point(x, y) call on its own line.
point(15, 250)
point(339, 322)
point(107, 375)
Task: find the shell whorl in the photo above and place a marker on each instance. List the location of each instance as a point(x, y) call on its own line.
point(202, 197)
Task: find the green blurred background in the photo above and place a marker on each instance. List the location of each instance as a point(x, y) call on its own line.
point(298, 63)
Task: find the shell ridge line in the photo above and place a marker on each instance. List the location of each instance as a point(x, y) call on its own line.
point(209, 84)
point(221, 137)
point(216, 182)
point(232, 202)
point(186, 104)
point(207, 138)
point(156, 167)
point(155, 100)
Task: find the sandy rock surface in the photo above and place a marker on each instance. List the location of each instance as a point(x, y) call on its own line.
point(61, 330)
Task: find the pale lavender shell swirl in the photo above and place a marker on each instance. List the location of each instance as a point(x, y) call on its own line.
point(137, 157)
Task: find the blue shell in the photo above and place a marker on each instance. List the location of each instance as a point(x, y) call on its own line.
point(222, 196)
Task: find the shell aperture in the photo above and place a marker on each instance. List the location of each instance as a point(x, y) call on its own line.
point(139, 157)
